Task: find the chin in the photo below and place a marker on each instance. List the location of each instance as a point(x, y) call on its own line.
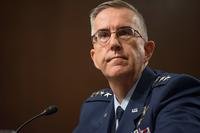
point(117, 72)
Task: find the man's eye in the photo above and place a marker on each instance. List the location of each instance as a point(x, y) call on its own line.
point(125, 32)
point(103, 34)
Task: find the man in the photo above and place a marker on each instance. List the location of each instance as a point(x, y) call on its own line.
point(139, 100)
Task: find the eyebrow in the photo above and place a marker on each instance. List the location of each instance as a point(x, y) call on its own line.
point(103, 29)
point(124, 27)
point(107, 29)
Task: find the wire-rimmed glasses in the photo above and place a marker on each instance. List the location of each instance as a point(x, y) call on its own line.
point(123, 33)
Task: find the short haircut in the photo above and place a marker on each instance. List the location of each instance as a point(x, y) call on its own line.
point(119, 4)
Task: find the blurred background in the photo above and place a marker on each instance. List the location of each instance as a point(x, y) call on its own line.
point(44, 55)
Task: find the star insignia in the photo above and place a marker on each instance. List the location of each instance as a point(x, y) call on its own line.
point(107, 94)
point(102, 92)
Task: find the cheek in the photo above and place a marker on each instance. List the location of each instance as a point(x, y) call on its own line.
point(99, 58)
point(136, 54)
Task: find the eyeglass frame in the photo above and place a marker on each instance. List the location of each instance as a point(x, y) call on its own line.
point(135, 32)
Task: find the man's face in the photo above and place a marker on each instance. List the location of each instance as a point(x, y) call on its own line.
point(119, 57)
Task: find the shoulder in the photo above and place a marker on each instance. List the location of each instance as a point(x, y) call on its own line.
point(96, 104)
point(172, 79)
point(175, 102)
point(98, 100)
point(170, 88)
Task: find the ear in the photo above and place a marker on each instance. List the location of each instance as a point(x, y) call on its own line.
point(93, 57)
point(149, 49)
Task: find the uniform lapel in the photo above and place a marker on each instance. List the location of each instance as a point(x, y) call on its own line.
point(104, 125)
point(137, 103)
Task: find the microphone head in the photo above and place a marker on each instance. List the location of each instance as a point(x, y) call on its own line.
point(50, 110)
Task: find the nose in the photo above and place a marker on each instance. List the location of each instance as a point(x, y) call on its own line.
point(114, 43)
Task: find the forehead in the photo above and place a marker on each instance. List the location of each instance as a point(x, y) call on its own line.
point(113, 18)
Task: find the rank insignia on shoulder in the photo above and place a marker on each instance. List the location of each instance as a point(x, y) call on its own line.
point(101, 93)
point(107, 94)
point(161, 80)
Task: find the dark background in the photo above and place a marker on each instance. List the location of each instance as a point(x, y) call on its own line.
point(44, 55)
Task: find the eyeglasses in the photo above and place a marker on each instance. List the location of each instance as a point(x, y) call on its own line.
point(123, 33)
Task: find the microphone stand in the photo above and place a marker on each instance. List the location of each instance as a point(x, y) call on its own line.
point(48, 111)
point(21, 126)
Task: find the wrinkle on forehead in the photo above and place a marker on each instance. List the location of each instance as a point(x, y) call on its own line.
point(113, 18)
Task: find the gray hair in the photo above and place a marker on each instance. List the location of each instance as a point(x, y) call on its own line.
point(119, 4)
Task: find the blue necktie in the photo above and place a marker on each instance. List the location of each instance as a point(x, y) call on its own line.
point(119, 113)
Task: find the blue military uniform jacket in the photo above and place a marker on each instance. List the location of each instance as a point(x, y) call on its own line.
point(161, 103)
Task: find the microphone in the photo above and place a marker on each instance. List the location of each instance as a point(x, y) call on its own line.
point(48, 111)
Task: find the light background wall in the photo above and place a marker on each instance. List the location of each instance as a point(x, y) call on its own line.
point(44, 55)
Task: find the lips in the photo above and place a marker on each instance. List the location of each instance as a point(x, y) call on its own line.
point(116, 57)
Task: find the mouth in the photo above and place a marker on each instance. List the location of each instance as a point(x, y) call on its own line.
point(116, 57)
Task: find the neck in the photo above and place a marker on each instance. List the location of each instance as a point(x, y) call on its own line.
point(121, 85)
